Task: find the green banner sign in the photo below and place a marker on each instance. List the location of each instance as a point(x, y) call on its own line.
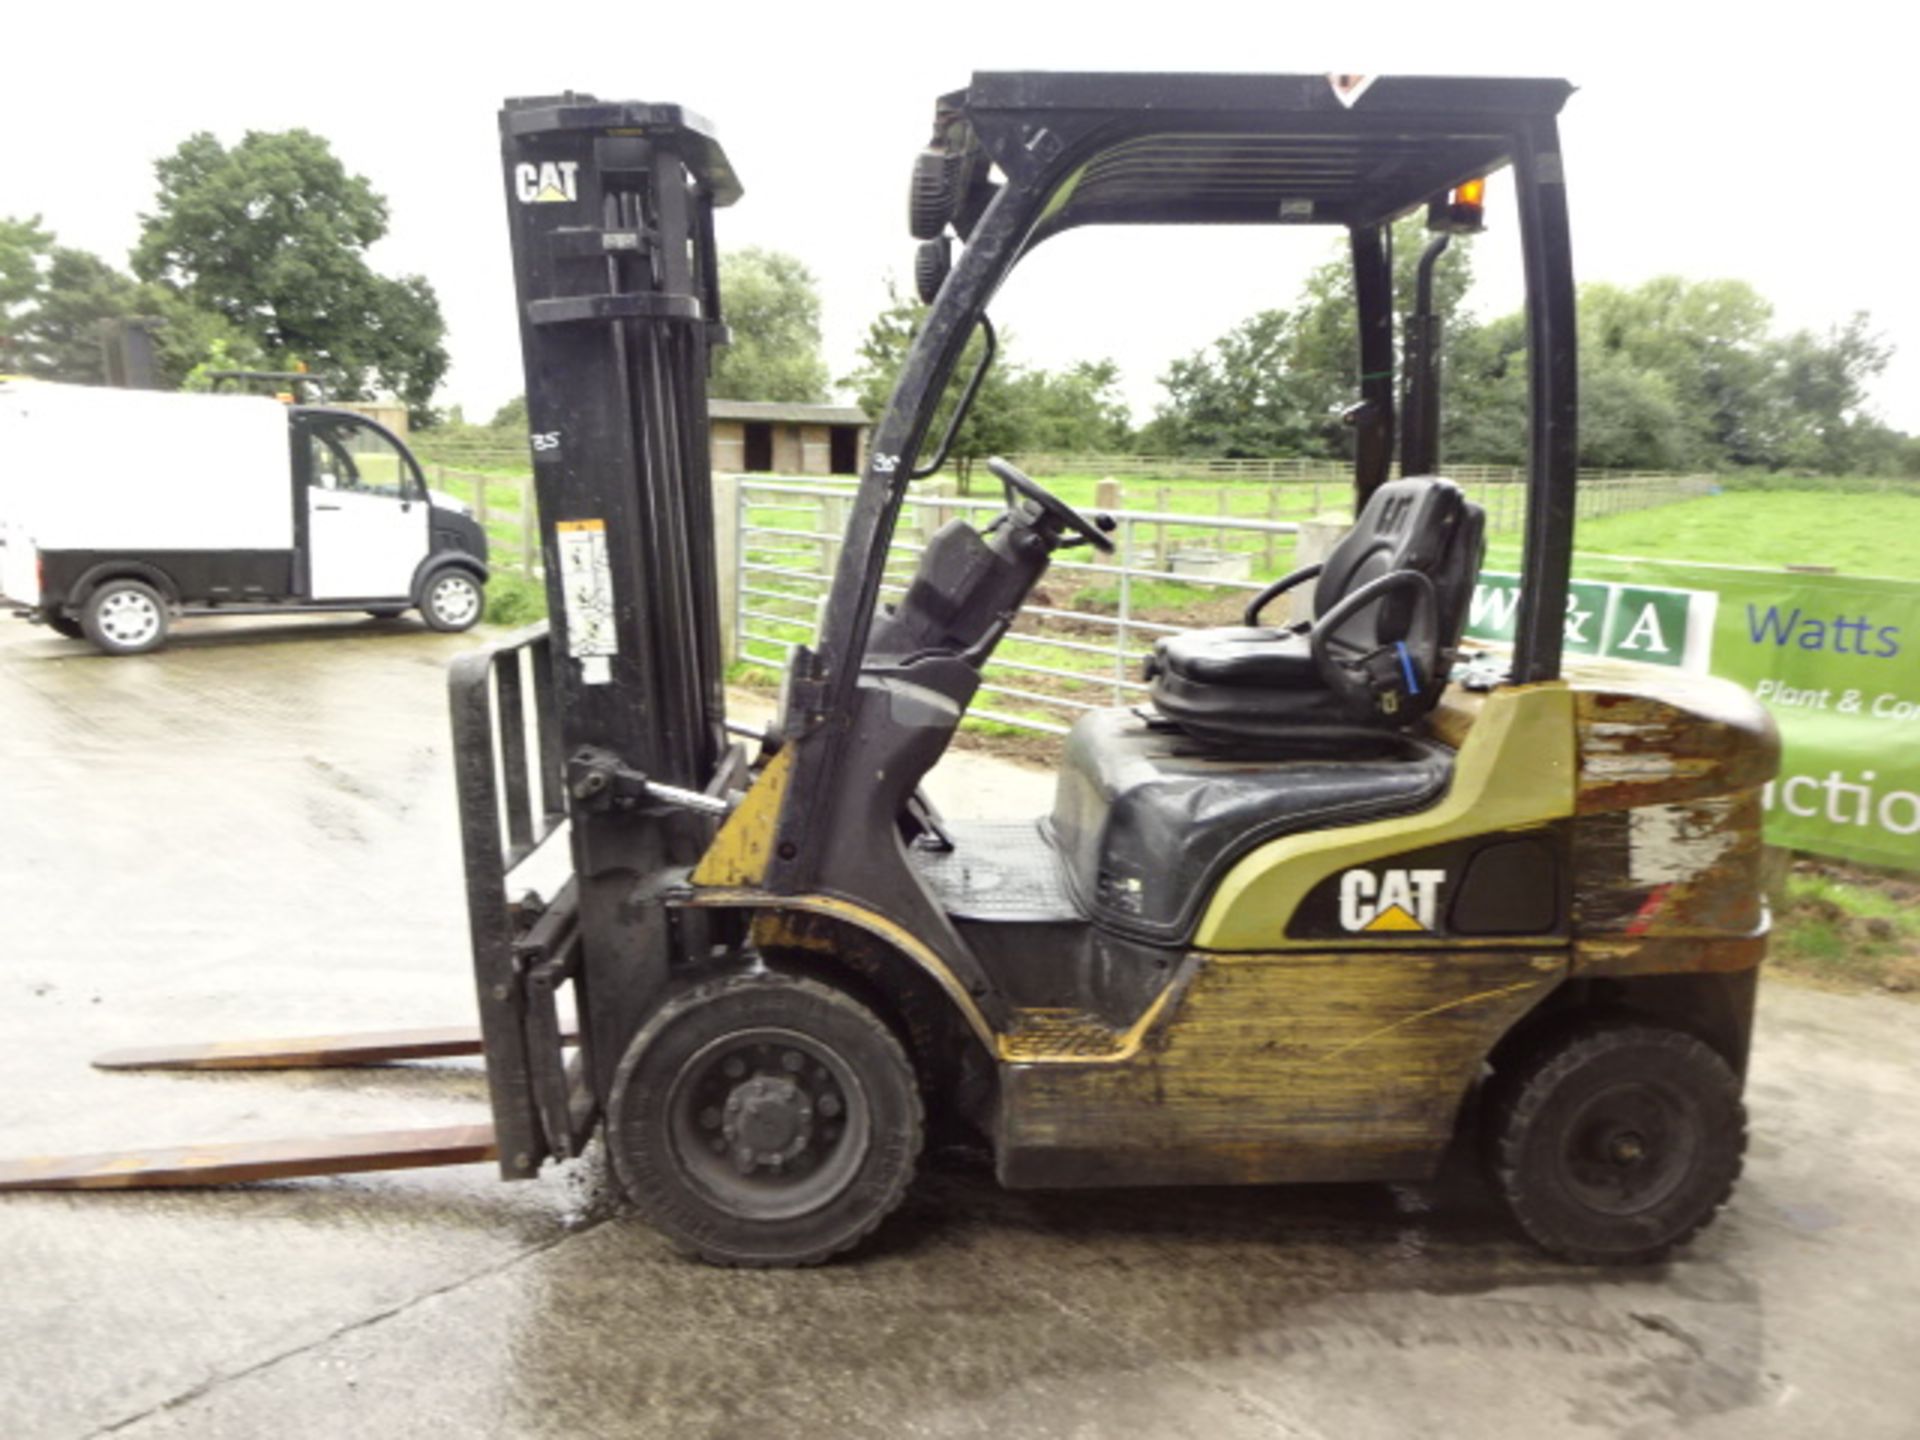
point(1655, 624)
point(1835, 658)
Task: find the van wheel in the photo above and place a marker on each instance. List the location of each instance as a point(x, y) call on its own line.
point(63, 625)
point(125, 617)
point(1618, 1144)
point(388, 612)
point(454, 601)
point(765, 1120)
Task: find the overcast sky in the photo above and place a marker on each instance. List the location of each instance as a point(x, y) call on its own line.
point(1721, 144)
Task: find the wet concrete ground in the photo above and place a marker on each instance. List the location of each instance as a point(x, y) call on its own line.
point(252, 833)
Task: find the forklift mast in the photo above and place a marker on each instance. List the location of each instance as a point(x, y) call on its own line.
point(610, 212)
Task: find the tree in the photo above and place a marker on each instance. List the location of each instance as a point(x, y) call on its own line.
point(57, 299)
point(1673, 373)
point(1275, 384)
point(1241, 396)
point(773, 310)
point(1078, 409)
point(1708, 338)
point(23, 249)
point(992, 426)
point(61, 333)
point(1814, 400)
point(1483, 399)
point(272, 236)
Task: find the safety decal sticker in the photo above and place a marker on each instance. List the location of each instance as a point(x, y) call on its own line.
point(1348, 89)
point(1403, 901)
point(586, 580)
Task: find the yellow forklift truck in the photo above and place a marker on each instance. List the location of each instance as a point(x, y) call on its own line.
point(1332, 899)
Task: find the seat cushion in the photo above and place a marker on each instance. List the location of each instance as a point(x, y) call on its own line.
point(1237, 655)
point(1148, 819)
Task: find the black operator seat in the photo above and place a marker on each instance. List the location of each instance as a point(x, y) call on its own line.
point(1391, 602)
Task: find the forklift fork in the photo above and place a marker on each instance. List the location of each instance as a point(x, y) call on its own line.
point(246, 1161)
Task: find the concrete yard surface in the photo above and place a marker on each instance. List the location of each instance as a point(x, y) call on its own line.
point(252, 833)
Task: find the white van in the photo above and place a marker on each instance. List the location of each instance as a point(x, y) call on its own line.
point(121, 510)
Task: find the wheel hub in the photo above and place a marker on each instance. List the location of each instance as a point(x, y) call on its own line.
point(454, 599)
point(1627, 1148)
point(767, 1121)
point(128, 619)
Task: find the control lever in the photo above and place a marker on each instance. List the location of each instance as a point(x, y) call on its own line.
point(599, 780)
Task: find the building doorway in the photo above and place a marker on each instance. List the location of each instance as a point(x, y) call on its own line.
point(759, 448)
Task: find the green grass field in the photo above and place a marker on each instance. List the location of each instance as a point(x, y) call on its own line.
point(1857, 534)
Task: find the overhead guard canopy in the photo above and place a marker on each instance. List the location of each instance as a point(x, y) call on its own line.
point(1243, 149)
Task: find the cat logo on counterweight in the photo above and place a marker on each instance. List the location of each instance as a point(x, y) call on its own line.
point(1403, 901)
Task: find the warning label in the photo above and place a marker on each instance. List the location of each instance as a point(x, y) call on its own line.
point(586, 582)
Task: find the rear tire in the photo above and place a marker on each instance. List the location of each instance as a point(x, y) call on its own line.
point(453, 601)
point(63, 625)
point(388, 612)
point(765, 1120)
point(125, 617)
point(1618, 1143)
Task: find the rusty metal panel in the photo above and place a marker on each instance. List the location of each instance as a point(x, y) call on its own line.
point(1275, 1067)
point(1691, 869)
point(1665, 738)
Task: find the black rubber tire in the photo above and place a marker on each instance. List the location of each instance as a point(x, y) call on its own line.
point(452, 621)
point(388, 612)
point(1556, 1105)
point(106, 618)
point(660, 1174)
point(930, 202)
point(62, 625)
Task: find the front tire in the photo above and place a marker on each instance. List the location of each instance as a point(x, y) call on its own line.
point(453, 601)
point(1618, 1144)
point(125, 617)
point(765, 1120)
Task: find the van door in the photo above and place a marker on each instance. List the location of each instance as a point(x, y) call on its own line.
point(367, 511)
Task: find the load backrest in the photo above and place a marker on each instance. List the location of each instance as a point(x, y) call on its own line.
point(1424, 524)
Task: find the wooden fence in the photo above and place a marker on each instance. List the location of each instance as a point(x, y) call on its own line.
point(503, 504)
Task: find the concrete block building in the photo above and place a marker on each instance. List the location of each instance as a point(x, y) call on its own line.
point(763, 437)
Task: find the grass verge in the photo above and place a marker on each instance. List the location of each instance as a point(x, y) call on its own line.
point(1849, 927)
point(513, 599)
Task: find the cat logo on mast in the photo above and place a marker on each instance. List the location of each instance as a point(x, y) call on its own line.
point(1348, 89)
point(1403, 901)
point(552, 182)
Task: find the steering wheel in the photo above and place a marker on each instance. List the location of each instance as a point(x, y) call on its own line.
point(1068, 517)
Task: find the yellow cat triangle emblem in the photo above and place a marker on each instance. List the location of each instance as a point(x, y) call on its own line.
point(1395, 917)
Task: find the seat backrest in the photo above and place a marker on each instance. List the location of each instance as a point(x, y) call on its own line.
point(1424, 524)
